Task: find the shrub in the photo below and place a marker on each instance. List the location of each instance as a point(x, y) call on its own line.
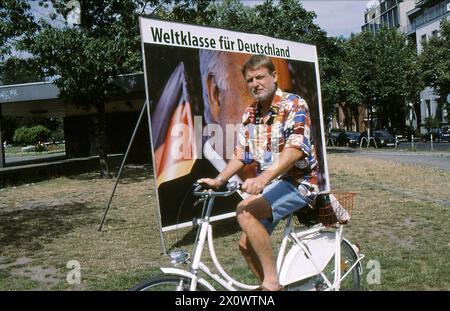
point(57, 136)
point(31, 135)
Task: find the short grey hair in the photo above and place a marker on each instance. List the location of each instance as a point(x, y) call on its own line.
point(212, 63)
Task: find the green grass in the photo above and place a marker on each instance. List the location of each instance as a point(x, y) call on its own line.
point(398, 222)
point(16, 151)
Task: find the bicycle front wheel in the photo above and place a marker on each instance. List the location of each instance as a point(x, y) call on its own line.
point(166, 283)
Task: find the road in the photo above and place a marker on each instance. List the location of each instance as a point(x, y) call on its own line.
point(421, 146)
point(437, 159)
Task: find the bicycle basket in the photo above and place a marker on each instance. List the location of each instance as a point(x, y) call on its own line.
point(335, 207)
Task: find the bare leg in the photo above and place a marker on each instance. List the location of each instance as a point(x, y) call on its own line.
point(249, 213)
point(250, 257)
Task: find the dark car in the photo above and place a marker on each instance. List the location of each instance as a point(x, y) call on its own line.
point(348, 139)
point(400, 135)
point(332, 137)
point(439, 134)
point(403, 135)
point(382, 138)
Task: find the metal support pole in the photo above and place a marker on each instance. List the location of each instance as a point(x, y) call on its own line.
point(431, 141)
point(121, 166)
point(158, 214)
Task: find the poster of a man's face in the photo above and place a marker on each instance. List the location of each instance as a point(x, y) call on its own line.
point(197, 98)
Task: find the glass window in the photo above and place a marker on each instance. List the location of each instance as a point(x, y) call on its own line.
point(391, 19)
point(395, 15)
point(423, 38)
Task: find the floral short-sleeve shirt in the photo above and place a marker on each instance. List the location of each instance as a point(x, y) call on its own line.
point(286, 124)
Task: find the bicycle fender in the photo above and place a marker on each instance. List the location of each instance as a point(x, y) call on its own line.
point(181, 272)
point(298, 265)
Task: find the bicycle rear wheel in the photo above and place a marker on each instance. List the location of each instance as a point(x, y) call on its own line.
point(166, 283)
point(348, 258)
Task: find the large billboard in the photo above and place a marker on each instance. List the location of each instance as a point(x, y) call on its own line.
point(197, 95)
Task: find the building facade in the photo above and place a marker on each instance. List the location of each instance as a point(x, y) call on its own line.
point(387, 13)
point(423, 23)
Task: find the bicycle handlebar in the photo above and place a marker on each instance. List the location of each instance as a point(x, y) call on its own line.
point(229, 189)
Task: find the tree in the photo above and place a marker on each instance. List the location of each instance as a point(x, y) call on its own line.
point(85, 60)
point(381, 65)
point(16, 24)
point(339, 84)
point(17, 70)
point(434, 63)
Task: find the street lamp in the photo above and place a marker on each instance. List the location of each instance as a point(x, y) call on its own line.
point(411, 106)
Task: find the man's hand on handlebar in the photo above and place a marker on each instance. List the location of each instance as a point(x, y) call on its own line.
point(251, 185)
point(210, 182)
point(254, 185)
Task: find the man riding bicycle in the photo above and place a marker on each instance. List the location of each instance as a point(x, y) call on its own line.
point(276, 134)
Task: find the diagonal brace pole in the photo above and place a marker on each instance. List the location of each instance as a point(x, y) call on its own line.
point(122, 165)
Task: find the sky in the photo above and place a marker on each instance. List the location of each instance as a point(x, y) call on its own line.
point(338, 17)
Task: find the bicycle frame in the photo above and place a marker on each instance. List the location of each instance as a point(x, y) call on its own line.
point(293, 263)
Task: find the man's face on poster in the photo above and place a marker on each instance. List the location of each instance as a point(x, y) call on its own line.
point(228, 104)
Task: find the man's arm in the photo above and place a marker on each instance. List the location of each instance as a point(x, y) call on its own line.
point(286, 159)
point(230, 169)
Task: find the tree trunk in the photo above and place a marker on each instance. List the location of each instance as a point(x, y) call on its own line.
point(102, 145)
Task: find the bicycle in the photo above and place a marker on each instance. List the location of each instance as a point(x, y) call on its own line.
point(313, 258)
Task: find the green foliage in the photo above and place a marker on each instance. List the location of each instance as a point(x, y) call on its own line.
point(16, 24)
point(19, 70)
point(31, 135)
point(57, 136)
point(338, 82)
point(434, 63)
point(10, 124)
point(431, 123)
point(381, 64)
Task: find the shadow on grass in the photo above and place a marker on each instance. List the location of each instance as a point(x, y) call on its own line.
point(31, 227)
point(130, 174)
point(221, 228)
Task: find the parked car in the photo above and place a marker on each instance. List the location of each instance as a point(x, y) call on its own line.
point(333, 135)
point(348, 139)
point(382, 138)
point(400, 135)
point(403, 135)
point(439, 134)
point(409, 133)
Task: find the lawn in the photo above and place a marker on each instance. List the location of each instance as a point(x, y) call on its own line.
point(401, 222)
point(16, 151)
